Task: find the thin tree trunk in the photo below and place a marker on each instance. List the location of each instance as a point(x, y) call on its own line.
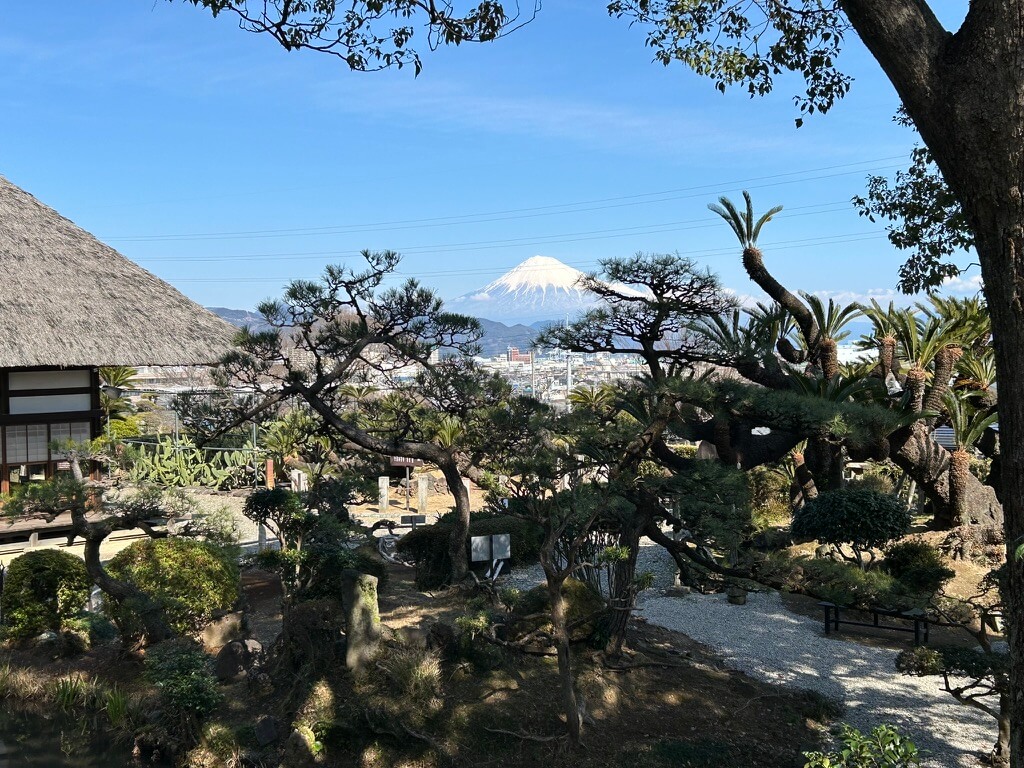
point(460, 531)
point(622, 590)
point(150, 613)
point(570, 703)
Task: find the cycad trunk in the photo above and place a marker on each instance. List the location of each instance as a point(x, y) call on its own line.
point(959, 476)
point(829, 356)
point(915, 387)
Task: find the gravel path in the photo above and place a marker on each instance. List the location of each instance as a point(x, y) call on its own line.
point(767, 641)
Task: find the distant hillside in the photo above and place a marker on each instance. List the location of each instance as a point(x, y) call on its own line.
point(241, 318)
point(498, 337)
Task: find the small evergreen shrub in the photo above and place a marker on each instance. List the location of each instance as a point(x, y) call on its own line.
point(43, 590)
point(863, 519)
point(190, 579)
point(769, 497)
point(850, 586)
point(918, 566)
point(181, 672)
point(883, 747)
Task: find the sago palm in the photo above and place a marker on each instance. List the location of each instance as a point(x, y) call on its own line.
point(968, 425)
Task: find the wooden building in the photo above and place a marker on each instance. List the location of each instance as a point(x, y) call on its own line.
point(68, 305)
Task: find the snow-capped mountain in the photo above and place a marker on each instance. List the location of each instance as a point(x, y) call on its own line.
point(540, 288)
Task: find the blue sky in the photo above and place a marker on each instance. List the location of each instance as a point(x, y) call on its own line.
point(228, 166)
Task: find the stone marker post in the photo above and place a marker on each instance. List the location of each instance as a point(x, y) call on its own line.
point(422, 489)
point(383, 489)
point(362, 617)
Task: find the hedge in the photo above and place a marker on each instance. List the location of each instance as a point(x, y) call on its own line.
point(191, 580)
point(43, 589)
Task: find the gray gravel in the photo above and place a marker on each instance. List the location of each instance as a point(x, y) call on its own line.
point(764, 639)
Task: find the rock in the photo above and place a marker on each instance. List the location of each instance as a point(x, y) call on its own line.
point(414, 637)
point(223, 630)
point(736, 595)
point(266, 730)
point(49, 643)
point(235, 659)
point(772, 538)
point(824, 552)
point(300, 749)
point(441, 638)
point(260, 683)
point(679, 591)
point(362, 617)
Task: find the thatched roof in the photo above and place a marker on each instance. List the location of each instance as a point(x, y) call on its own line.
point(67, 299)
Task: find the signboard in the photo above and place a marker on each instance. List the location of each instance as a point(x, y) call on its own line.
point(480, 549)
point(405, 461)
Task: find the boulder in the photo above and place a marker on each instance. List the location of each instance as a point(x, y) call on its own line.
point(223, 630)
point(235, 659)
point(300, 749)
point(266, 730)
point(736, 595)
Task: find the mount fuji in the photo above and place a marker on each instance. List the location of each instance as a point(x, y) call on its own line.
point(540, 288)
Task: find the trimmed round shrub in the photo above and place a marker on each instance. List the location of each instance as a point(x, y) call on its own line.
point(918, 566)
point(861, 518)
point(428, 544)
point(190, 579)
point(43, 590)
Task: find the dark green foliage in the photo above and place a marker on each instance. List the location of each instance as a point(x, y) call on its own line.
point(918, 566)
point(861, 518)
point(181, 672)
point(280, 510)
point(428, 544)
point(43, 590)
point(953, 660)
point(92, 628)
point(314, 572)
point(884, 747)
point(333, 495)
point(190, 579)
point(848, 585)
point(769, 497)
point(713, 502)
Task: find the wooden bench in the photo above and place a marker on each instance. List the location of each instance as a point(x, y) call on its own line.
point(918, 617)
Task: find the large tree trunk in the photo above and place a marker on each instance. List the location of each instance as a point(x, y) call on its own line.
point(1001, 753)
point(965, 94)
point(460, 531)
point(928, 464)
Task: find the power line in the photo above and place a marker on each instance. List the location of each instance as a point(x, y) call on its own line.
point(780, 246)
point(671, 226)
point(519, 213)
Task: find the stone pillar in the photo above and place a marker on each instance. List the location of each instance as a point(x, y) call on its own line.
point(270, 474)
point(362, 617)
point(423, 487)
point(383, 489)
